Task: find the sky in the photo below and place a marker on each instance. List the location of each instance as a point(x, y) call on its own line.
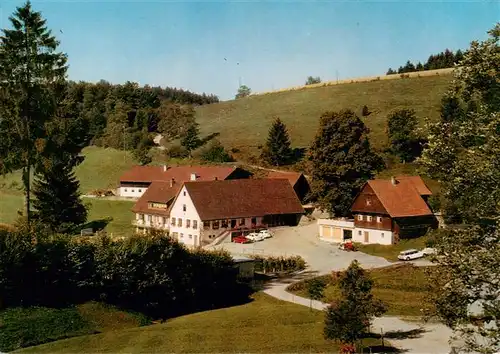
point(213, 46)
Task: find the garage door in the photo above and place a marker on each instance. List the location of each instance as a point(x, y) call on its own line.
point(327, 232)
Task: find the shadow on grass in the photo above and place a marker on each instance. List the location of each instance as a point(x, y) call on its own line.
point(382, 349)
point(411, 334)
point(95, 225)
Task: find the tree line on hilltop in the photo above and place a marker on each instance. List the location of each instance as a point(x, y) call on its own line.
point(443, 60)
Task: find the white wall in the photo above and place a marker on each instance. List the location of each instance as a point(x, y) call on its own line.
point(191, 214)
point(132, 192)
point(383, 237)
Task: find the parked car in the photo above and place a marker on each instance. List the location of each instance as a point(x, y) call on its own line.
point(410, 255)
point(266, 233)
point(254, 236)
point(428, 251)
point(241, 239)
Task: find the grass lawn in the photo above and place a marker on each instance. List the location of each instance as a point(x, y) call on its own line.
point(22, 327)
point(403, 288)
point(263, 325)
point(390, 252)
point(119, 211)
point(244, 123)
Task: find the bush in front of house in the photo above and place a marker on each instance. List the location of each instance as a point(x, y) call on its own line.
point(152, 274)
point(279, 264)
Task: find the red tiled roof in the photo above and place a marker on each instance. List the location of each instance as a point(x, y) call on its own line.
point(400, 200)
point(159, 192)
point(241, 198)
point(417, 182)
point(293, 177)
point(180, 174)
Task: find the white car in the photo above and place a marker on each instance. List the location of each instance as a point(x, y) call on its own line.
point(254, 237)
point(266, 233)
point(410, 255)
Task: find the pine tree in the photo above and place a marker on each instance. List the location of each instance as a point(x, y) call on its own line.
point(30, 71)
point(243, 91)
point(277, 151)
point(191, 140)
point(341, 160)
point(57, 200)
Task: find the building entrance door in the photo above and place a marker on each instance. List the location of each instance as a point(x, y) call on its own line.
point(367, 237)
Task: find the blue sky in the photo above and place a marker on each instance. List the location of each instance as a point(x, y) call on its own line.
point(276, 43)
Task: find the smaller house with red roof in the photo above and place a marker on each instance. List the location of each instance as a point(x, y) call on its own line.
point(297, 180)
point(384, 212)
point(135, 181)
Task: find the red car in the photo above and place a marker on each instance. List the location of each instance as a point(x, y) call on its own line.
point(241, 239)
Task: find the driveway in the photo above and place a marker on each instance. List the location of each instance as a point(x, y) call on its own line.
point(320, 256)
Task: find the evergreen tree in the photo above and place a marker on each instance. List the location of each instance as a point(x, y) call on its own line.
point(313, 80)
point(348, 319)
point(31, 69)
point(401, 127)
point(191, 140)
point(141, 152)
point(390, 72)
point(341, 160)
point(57, 200)
point(277, 151)
point(365, 111)
point(243, 91)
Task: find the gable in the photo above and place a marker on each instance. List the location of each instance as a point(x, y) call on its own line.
point(368, 202)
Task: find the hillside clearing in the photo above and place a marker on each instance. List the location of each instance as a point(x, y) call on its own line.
point(262, 326)
point(244, 123)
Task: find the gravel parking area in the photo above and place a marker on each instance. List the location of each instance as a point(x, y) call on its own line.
point(321, 257)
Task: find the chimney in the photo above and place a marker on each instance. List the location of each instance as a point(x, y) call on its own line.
point(193, 177)
point(394, 181)
point(172, 181)
point(165, 168)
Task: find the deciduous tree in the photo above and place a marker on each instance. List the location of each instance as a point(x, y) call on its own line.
point(277, 151)
point(403, 138)
point(463, 153)
point(341, 160)
point(191, 140)
point(313, 80)
point(30, 69)
point(243, 91)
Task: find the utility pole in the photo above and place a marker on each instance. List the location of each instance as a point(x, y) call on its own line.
point(337, 73)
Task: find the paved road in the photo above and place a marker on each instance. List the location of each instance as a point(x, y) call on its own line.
point(410, 337)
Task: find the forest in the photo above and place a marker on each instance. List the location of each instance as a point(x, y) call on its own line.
point(441, 60)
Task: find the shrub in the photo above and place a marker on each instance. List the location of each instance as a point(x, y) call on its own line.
point(177, 151)
point(235, 150)
point(279, 264)
point(364, 111)
point(215, 152)
point(151, 274)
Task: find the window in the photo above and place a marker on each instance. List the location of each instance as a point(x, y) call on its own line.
point(133, 191)
point(224, 224)
point(195, 224)
point(254, 221)
point(360, 233)
point(360, 217)
point(141, 217)
point(190, 236)
point(382, 235)
point(206, 225)
point(215, 225)
point(173, 222)
point(164, 221)
point(368, 202)
point(188, 223)
point(125, 189)
point(149, 218)
point(369, 218)
point(184, 193)
point(179, 222)
point(379, 219)
point(183, 207)
point(182, 235)
point(140, 190)
point(242, 222)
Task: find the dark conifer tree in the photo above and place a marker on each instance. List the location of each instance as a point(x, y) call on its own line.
point(277, 151)
point(191, 139)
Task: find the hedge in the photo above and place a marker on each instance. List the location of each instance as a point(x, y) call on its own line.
point(152, 274)
point(279, 264)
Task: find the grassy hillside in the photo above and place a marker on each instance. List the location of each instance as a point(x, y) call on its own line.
point(22, 327)
point(261, 326)
point(244, 123)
